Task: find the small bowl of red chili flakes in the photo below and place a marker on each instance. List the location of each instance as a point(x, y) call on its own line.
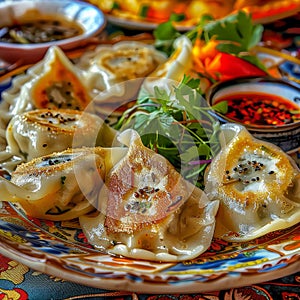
point(268, 107)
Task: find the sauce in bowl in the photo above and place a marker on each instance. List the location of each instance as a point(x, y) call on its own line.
point(261, 109)
point(41, 30)
point(268, 107)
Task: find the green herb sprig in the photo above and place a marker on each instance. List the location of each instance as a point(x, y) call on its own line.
point(178, 125)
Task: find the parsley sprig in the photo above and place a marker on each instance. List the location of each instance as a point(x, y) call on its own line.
point(177, 124)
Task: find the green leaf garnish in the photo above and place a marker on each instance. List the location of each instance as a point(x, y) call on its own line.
point(178, 125)
point(237, 35)
point(165, 34)
point(177, 17)
point(221, 107)
point(238, 29)
point(144, 11)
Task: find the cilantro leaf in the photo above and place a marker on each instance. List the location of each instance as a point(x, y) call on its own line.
point(165, 35)
point(237, 29)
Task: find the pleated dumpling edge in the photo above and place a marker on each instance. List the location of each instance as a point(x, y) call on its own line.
point(257, 184)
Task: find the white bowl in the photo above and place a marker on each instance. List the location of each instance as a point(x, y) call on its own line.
point(89, 17)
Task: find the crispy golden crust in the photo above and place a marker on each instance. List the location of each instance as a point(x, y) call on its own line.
point(60, 186)
point(254, 170)
point(143, 190)
point(50, 164)
point(62, 121)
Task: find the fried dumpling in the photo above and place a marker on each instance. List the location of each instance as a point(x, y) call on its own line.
point(148, 211)
point(54, 82)
point(111, 64)
point(257, 184)
point(60, 186)
point(43, 131)
point(179, 62)
point(173, 70)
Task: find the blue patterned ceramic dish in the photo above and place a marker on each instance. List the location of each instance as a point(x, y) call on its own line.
point(61, 249)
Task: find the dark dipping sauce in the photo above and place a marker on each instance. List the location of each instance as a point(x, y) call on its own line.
point(261, 109)
point(42, 30)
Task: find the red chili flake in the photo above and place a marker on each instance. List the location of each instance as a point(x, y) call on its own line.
point(261, 109)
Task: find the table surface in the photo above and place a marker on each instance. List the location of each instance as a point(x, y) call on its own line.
point(18, 281)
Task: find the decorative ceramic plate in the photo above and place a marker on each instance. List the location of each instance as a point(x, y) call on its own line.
point(61, 249)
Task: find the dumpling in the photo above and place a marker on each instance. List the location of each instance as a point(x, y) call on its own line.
point(178, 64)
point(257, 184)
point(173, 70)
point(59, 85)
point(111, 64)
point(148, 211)
point(114, 74)
point(54, 82)
point(44, 131)
point(60, 186)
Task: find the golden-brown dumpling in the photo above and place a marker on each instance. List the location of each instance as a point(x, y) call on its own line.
point(111, 64)
point(44, 131)
point(257, 185)
point(173, 70)
point(54, 82)
point(178, 64)
point(60, 186)
point(148, 211)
